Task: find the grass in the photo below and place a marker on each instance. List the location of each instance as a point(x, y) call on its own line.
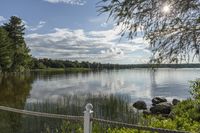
point(109, 107)
point(62, 70)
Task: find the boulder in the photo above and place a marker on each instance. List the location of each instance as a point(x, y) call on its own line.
point(161, 108)
point(140, 105)
point(171, 115)
point(175, 101)
point(157, 100)
point(146, 112)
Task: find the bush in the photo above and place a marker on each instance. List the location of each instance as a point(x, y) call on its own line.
point(184, 116)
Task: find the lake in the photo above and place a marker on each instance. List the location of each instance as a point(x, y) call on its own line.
point(110, 91)
point(136, 83)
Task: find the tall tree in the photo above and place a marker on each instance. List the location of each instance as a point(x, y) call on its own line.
point(20, 51)
point(5, 50)
point(171, 26)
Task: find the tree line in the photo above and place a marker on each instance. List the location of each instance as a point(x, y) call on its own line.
point(49, 63)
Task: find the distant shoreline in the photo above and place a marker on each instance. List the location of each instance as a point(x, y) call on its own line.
point(111, 67)
point(165, 65)
point(137, 66)
point(117, 66)
point(122, 66)
point(61, 70)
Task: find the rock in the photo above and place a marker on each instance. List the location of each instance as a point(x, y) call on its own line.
point(157, 100)
point(175, 101)
point(140, 105)
point(165, 115)
point(146, 112)
point(171, 115)
point(161, 108)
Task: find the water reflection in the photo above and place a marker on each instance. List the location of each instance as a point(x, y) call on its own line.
point(14, 90)
point(139, 84)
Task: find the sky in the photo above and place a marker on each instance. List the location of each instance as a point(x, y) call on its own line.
point(73, 30)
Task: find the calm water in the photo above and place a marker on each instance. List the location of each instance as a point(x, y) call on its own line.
point(138, 84)
point(110, 92)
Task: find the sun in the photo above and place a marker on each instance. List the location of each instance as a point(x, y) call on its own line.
point(166, 9)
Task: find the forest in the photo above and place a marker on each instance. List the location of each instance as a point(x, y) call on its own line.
point(49, 63)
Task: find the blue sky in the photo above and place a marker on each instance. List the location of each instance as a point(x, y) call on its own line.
point(72, 29)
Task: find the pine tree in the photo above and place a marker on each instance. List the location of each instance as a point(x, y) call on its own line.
point(5, 51)
point(20, 52)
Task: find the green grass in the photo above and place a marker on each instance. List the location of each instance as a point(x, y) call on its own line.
point(62, 70)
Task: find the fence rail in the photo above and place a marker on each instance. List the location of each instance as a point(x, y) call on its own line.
point(88, 119)
point(40, 114)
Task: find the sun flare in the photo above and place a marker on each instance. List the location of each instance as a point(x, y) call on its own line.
point(166, 9)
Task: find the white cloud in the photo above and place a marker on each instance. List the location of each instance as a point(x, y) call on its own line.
point(40, 25)
point(25, 24)
point(2, 19)
point(37, 27)
point(104, 24)
point(101, 46)
point(71, 2)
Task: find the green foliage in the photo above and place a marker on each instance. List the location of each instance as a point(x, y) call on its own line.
point(195, 92)
point(67, 126)
point(177, 123)
point(187, 109)
point(20, 57)
point(195, 89)
point(126, 130)
point(185, 115)
point(5, 51)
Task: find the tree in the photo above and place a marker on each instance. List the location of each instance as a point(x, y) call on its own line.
point(20, 52)
point(5, 52)
point(171, 26)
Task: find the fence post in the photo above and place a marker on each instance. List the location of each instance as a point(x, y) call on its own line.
point(87, 118)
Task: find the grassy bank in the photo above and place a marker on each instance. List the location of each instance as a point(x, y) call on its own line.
point(62, 70)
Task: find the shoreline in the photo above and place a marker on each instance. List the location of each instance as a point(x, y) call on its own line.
point(61, 70)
